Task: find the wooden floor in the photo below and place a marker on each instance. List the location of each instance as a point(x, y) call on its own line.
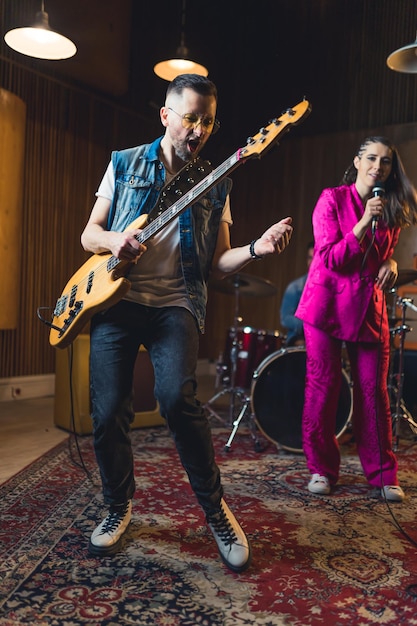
point(27, 429)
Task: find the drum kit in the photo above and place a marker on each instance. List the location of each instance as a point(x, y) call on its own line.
point(265, 381)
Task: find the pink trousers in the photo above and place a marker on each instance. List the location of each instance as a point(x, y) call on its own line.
point(371, 417)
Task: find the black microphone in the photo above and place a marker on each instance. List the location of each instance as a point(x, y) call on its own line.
point(378, 191)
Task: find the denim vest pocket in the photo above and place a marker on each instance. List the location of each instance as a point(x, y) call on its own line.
point(132, 193)
point(203, 212)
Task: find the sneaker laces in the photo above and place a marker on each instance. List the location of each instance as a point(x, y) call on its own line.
point(113, 519)
point(223, 527)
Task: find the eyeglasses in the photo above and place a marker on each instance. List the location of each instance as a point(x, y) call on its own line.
point(191, 120)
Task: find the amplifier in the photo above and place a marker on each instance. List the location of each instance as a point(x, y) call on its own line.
point(72, 409)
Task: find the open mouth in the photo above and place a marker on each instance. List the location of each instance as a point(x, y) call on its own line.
point(193, 145)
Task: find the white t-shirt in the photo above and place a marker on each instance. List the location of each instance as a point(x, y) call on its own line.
point(157, 278)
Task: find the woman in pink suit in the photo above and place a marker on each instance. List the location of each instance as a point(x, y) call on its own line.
point(355, 233)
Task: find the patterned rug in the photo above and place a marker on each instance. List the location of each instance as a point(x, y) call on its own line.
point(340, 560)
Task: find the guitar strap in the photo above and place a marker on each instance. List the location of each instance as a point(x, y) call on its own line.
point(191, 174)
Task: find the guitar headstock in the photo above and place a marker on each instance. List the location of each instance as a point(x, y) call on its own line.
point(269, 134)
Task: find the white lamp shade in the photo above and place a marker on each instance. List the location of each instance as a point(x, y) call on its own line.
point(40, 41)
point(168, 70)
point(404, 59)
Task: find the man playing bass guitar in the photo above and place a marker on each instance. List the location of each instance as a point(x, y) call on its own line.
point(164, 310)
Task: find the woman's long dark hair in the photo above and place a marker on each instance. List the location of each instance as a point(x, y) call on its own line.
point(401, 206)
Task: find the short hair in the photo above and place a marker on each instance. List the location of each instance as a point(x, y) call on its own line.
point(200, 84)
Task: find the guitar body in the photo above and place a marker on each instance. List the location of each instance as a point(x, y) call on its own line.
point(94, 287)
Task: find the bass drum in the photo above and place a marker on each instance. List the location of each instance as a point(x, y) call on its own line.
point(277, 398)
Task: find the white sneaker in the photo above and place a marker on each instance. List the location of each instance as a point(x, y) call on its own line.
point(319, 484)
point(393, 493)
point(107, 536)
point(233, 545)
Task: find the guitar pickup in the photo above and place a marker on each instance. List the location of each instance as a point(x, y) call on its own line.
point(73, 295)
point(90, 281)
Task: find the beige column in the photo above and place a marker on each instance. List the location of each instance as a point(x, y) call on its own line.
point(12, 144)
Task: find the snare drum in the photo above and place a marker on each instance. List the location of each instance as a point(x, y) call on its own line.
point(252, 346)
point(277, 398)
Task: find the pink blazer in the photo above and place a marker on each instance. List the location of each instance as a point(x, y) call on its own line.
point(339, 297)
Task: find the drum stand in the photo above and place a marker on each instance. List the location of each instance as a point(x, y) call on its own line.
point(396, 381)
point(235, 393)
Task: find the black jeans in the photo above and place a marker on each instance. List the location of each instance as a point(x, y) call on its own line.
point(170, 335)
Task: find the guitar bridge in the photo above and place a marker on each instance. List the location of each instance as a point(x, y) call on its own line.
point(71, 316)
point(60, 306)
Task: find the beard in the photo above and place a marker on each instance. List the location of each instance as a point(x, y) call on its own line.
point(187, 149)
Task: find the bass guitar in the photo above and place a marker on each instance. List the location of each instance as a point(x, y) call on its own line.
point(102, 280)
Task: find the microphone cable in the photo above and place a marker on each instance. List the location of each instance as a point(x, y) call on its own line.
point(365, 256)
point(412, 588)
point(73, 432)
point(396, 523)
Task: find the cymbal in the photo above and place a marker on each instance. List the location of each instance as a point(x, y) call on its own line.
point(244, 284)
point(405, 277)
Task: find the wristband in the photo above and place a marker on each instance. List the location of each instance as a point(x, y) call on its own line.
point(252, 251)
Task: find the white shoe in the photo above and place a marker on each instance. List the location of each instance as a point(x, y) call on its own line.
point(393, 493)
point(319, 484)
point(107, 536)
point(233, 545)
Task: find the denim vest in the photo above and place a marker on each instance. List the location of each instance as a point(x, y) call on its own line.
point(139, 178)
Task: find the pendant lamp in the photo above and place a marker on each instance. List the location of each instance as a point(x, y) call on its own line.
point(404, 59)
point(181, 63)
point(39, 40)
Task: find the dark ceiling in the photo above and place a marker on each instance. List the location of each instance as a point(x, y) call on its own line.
point(264, 55)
